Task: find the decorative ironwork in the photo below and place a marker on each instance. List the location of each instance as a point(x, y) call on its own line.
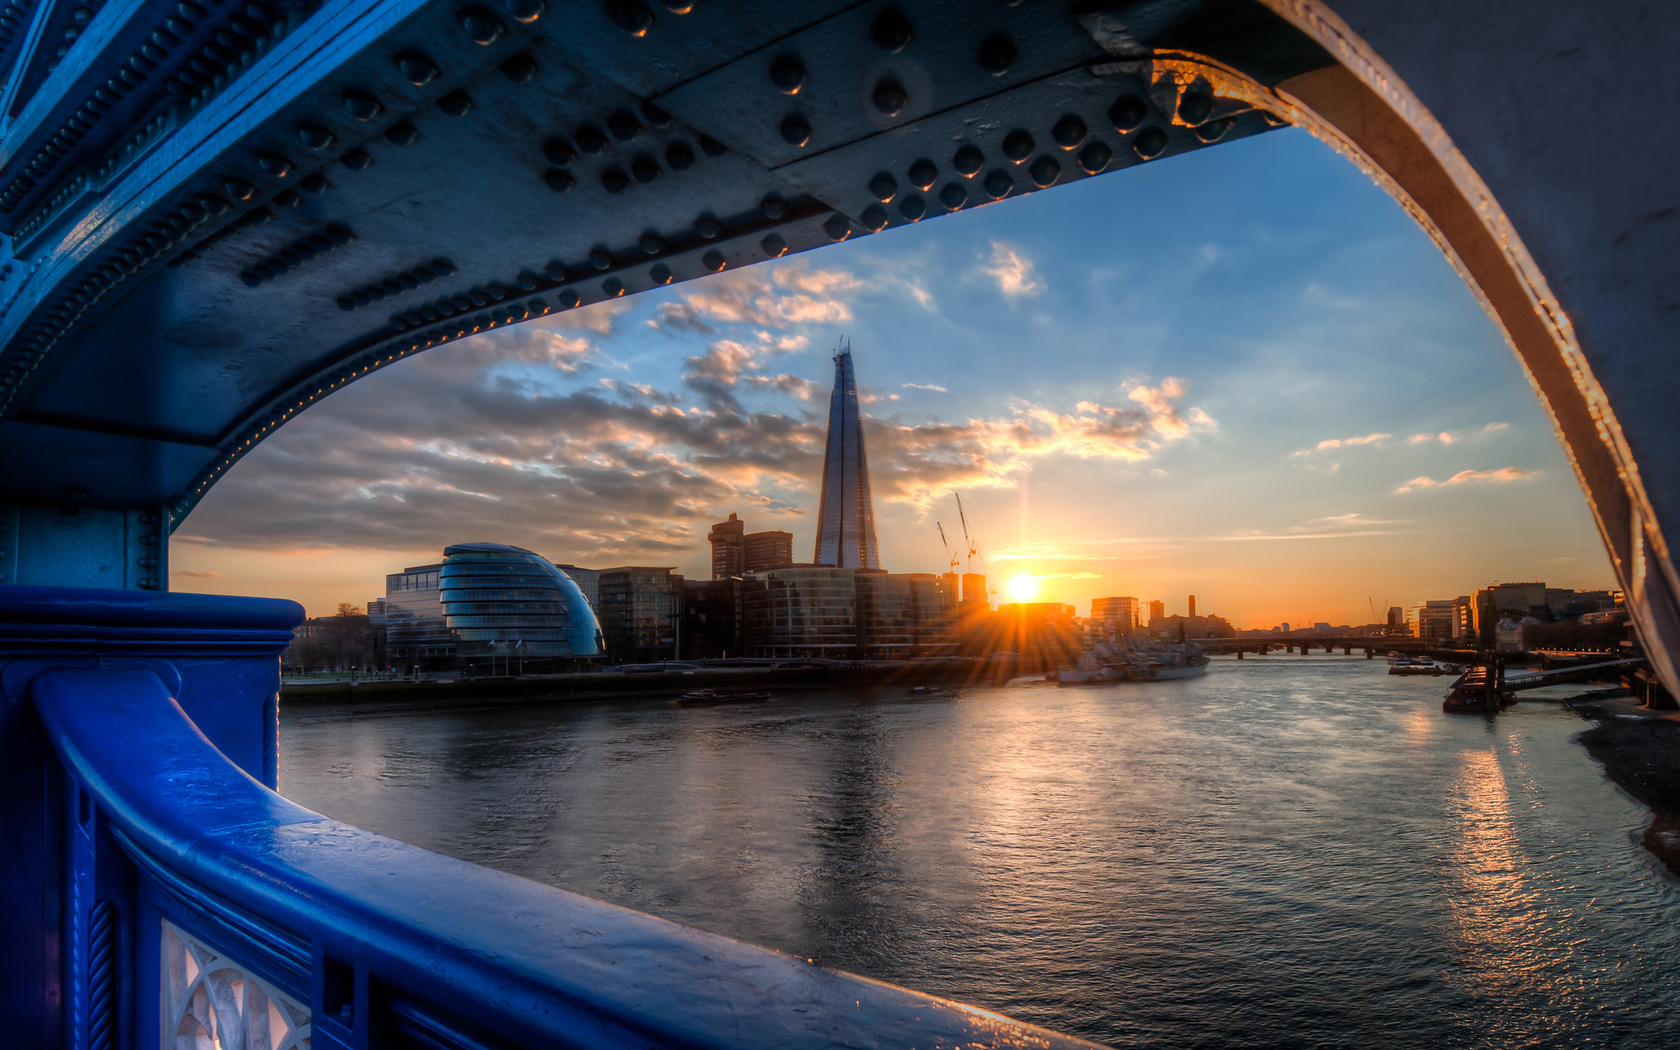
point(211, 1002)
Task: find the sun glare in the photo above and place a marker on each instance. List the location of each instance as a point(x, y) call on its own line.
point(1023, 588)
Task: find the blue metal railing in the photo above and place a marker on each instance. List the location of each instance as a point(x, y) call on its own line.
point(394, 945)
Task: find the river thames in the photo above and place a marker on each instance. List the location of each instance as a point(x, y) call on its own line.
point(1289, 851)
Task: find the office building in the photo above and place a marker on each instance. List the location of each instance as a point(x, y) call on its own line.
point(934, 610)
point(507, 604)
point(1511, 603)
point(846, 513)
point(1157, 610)
point(1115, 615)
point(772, 549)
point(974, 591)
point(1192, 605)
point(886, 615)
point(638, 612)
point(712, 618)
point(800, 612)
point(416, 636)
point(735, 551)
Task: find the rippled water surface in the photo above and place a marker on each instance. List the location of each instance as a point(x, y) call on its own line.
point(1296, 851)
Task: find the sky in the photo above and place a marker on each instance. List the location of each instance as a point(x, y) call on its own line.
point(1243, 373)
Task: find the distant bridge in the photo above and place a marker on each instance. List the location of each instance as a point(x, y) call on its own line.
point(218, 212)
point(1347, 644)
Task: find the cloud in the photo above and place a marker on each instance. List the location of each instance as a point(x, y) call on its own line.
point(1368, 439)
point(196, 573)
point(925, 386)
point(1012, 271)
point(761, 296)
point(1502, 475)
point(1064, 575)
point(1453, 437)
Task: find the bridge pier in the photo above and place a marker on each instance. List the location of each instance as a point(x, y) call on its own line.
point(71, 545)
point(1239, 652)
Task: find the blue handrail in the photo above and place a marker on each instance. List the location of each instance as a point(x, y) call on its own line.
point(463, 955)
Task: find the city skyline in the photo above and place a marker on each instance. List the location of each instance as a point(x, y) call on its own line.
point(1243, 374)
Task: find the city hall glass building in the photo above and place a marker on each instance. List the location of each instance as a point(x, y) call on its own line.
point(502, 601)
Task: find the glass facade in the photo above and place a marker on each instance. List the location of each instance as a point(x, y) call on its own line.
point(507, 601)
point(846, 515)
point(800, 612)
point(934, 600)
point(416, 635)
point(886, 615)
point(639, 613)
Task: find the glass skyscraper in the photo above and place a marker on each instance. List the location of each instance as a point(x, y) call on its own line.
point(846, 516)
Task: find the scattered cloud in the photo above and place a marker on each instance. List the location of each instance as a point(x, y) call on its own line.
point(1502, 475)
point(1065, 576)
point(196, 573)
point(1453, 437)
point(1012, 270)
point(925, 386)
point(764, 297)
point(1351, 442)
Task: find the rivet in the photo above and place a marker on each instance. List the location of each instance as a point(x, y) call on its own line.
point(496, 292)
point(361, 105)
point(461, 303)
point(656, 116)
point(774, 246)
point(1214, 130)
point(416, 68)
point(795, 131)
point(559, 152)
point(883, 187)
point(652, 245)
point(912, 207)
point(773, 209)
point(315, 184)
point(837, 227)
point(968, 161)
point(713, 260)
point(1018, 145)
point(520, 68)
point(555, 271)
point(712, 147)
point(708, 229)
point(528, 282)
point(680, 157)
point(456, 103)
point(288, 199)
point(615, 181)
point(274, 165)
point(340, 235)
point(788, 75)
point(630, 16)
point(315, 137)
point(1095, 157)
point(624, 126)
point(645, 169)
point(481, 26)
point(924, 173)
point(1045, 171)
point(613, 287)
point(891, 30)
point(1068, 132)
point(1149, 143)
point(250, 278)
point(559, 180)
point(997, 184)
point(953, 196)
point(679, 7)
point(600, 260)
point(402, 134)
point(239, 191)
point(590, 139)
point(1195, 109)
point(355, 160)
point(661, 274)
point(569, 299)
point(1127, 113)
point(525, 10)
point(997, 54)
point(890, 97)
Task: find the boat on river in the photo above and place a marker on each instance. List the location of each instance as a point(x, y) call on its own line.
point(1131, 659)
point(712, 697)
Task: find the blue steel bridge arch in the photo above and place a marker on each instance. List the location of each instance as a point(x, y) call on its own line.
point(216, 212)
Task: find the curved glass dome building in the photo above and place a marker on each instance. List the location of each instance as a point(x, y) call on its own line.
point(507, 601)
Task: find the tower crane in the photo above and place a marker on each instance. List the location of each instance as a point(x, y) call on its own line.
point(973, 548)
point(952, 558)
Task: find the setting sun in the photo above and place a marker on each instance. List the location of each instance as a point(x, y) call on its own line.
point(1023, 588)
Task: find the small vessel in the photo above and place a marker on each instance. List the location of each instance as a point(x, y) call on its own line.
point(711, 697)
point(1176, 661)
point(1134, 659)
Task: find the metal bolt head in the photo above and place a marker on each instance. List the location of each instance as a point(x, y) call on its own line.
point(968, 161)
point(362, 105)
point(891, 30)
point(788, 74)
point(883, 187)
point(795, 131)
point(1068, 132)
point(924, 173)
point(890, 97)
point(1045, 171)
point(997, 54)
point(1127, 113)
point(1149, 143)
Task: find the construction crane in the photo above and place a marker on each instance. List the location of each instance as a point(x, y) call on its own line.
point(952, 558)
point(973, 548)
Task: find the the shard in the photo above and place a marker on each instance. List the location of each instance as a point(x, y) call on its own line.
point(846, 517)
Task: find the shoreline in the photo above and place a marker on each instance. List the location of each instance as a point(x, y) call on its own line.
point(1637, 748)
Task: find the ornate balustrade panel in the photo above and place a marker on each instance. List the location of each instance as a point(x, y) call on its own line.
point(399, 939)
